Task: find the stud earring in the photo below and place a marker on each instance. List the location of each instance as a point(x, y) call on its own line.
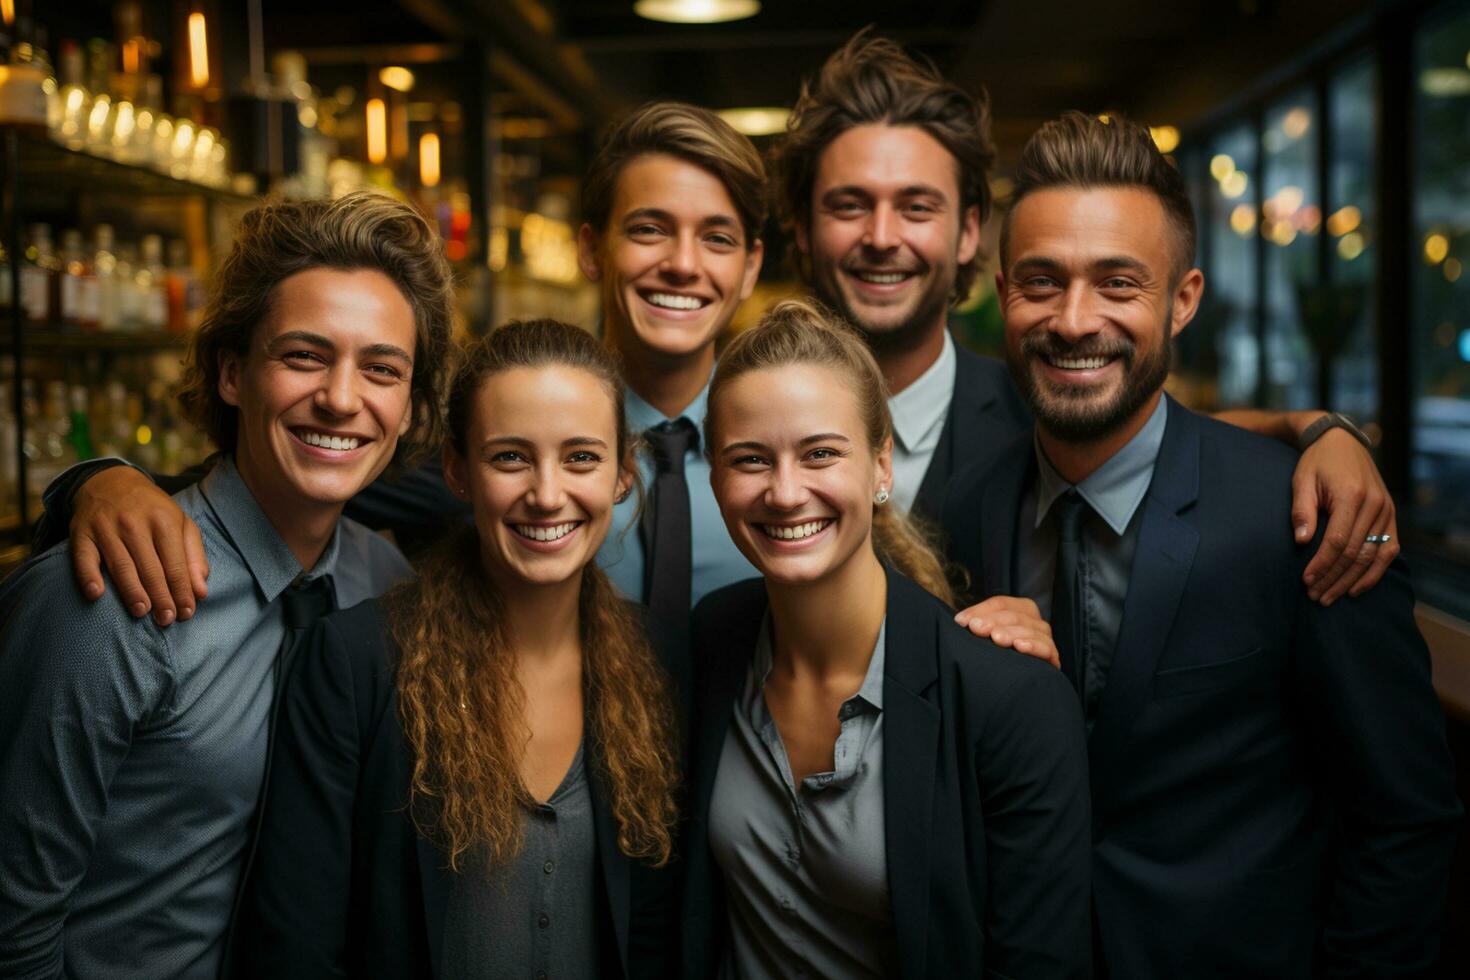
point(881, 497)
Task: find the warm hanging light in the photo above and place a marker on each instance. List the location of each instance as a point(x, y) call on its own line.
point(757, 120)
point(696, 11)
point(397, 77)
point(377, 131)
point(429, 159)
point(7, 11)
point(198, 51)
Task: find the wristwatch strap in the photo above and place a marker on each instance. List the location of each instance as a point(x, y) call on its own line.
point(1333, 420)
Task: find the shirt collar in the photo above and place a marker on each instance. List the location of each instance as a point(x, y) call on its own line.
point(871, 690)
point(642, 415)
point(920, 406)
point(1116, 488)
point(261, 547)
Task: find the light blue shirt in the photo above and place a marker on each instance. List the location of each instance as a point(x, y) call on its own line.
point(918, 421)
point(131, 756)
point(715, 561)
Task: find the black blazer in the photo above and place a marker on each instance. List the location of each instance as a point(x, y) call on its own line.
point(985, 794)
point(986, 413)
point(1272, 792)
point(343, 885)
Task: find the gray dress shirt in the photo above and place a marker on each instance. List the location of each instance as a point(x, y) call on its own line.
point(806, 870)
point(534, 918)
point(716, 562)
point(131, 756)
point(1109, 538)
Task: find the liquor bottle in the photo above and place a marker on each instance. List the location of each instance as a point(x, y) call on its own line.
point(6, 288)
point(38, 277)
point(70, 123)
point(79, 306)
point(79, 429)
point(129, 299)
point(185, 296)
point(104, 266)
point(24, 101)
point(153, 284)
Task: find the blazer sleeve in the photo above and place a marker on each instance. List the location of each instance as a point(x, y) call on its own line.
point(1032, 771)
point(54, 524)
point(1378, 729)
point(295, 919)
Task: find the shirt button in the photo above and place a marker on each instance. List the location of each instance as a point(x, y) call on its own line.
point(549, 867)
point(543, 920)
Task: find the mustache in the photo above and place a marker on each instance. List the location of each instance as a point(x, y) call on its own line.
point(1052, 346)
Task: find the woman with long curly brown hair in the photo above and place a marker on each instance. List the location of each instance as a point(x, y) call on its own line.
point(476, 774)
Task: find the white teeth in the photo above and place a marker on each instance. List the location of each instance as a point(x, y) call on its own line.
point(882, 278)
point(672, 301)
point(339, 443)
point(797, 532)
point(553, 533)
point(1079, 363)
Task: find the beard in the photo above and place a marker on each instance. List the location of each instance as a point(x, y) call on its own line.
point(1079, 413)
point(916, 325)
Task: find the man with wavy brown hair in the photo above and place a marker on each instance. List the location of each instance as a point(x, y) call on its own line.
point(134, 757)
point(882, 179)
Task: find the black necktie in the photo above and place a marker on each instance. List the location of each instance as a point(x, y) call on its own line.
point(302, 605)
point(667, 563)
point(1068, 598)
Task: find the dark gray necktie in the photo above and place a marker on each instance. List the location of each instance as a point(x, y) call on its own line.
point(667, 561)
point(1068, 591)
point(302, 605)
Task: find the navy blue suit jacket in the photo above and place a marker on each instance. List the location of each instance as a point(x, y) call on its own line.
point(1272, 791)
point(984, 794)
point(984, 416)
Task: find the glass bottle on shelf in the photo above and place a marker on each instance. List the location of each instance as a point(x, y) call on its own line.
point(129, 299)
point(153, 285)
point(185, 297)
point(79, 426)
point(104, 266)
point(70, 129)
point(79, 306)
point(6, 289)
point(39, 284)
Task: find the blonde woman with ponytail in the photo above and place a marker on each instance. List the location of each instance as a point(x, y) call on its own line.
point(874, 791)
point(475, 775)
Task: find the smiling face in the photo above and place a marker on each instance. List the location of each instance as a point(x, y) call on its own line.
point(541, 471)
point(323, 390)
point(674, 261)
point(887, 231)
point(793, 473)
point(1090, 308)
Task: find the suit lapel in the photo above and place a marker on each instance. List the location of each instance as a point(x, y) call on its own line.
point(1161, 566)
point(967, 432)
point(435, 882)
point(910, 755)
point(616, 875)
point(998, 514)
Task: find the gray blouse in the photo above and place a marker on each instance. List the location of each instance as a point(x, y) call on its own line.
point(806, 870)
point(535, 917)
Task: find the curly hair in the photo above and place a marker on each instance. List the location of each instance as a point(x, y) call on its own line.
point(463, 710)
point(275, 241)
point(802, 331)
point(873, 80)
